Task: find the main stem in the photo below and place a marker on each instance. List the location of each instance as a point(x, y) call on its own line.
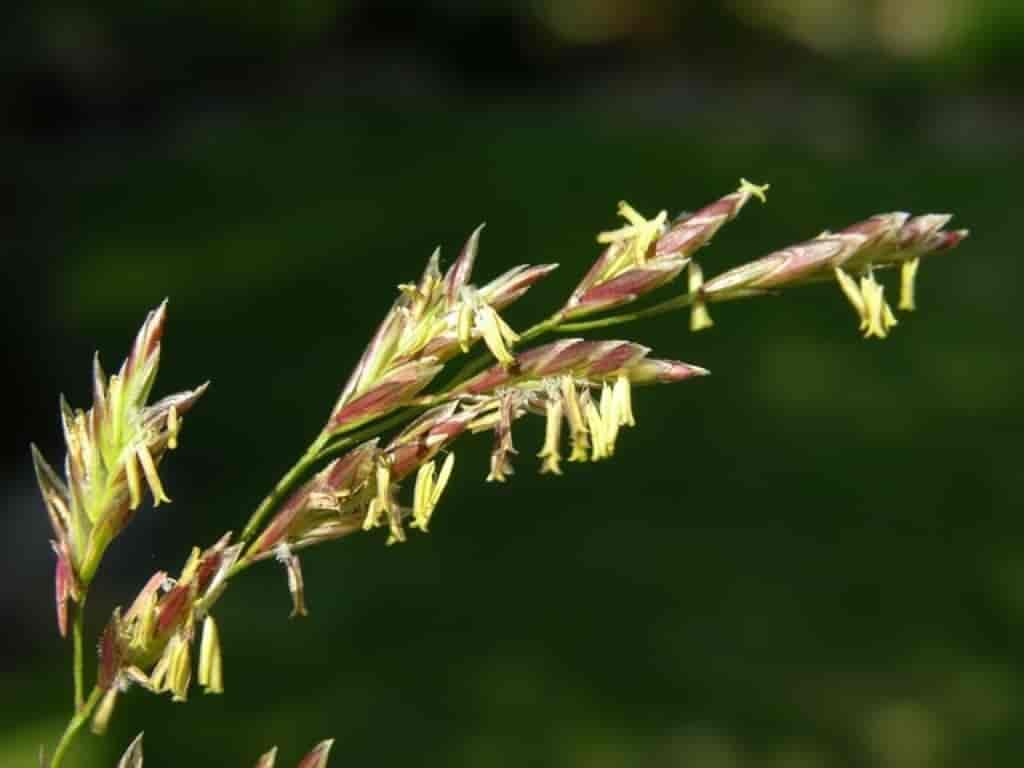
point(80, 718)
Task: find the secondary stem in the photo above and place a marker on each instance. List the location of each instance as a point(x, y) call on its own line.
point(285, 484)
point(78, 662)
point(79, 719)
point(679, 302)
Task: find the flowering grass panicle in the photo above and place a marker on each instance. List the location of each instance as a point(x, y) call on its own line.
point(386, 453)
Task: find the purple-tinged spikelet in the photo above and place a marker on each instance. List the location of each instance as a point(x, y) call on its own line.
point(113, 451)
point(646, 254)
point(881, 241)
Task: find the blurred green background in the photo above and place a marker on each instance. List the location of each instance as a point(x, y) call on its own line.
point(812, 558)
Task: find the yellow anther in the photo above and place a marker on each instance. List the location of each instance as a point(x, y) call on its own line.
point(630, 214)
point(849, 288)
point(755, 190)
point(888, 318)
point(609, 418)
point(599, 445)
point(640, 232)
point(380, 504)
point(149, 469)
point(211, 664)
point(577, 422)
point(429, 487)
point(464, 325)
point(874, 307)
point(131, 469)
point(624, 396)
point(700, 318)
point(179, 673)
point(424, 480)
point(551, 451)
point(442, 480)
point(496, 334)
point(173, 425)
point(500, 468)
point(908, 276)
point(158, 676)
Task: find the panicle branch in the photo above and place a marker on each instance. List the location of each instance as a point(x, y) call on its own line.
point(851, 256)
point(431, 321)
point(113, 451)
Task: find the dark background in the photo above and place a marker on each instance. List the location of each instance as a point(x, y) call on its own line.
point(812, 558)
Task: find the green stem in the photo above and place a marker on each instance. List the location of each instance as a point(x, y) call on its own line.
point(378, 427)
point(321, 449)
point(541, 328)
point(671, 305)
point(78, 661)
point(284, 485)
point(81, 717)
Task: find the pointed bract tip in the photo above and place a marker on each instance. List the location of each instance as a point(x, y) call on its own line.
point(157, 319)
point(317, 758)
point(160, 313)
point(654, 371)
point(677, 371)
point(459, 273)
point(132, 757)
point(267, 759)
point(953, 239)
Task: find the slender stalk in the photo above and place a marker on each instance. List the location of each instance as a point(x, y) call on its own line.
point(284, 485)
point(321, 449)
point(379, 427)
point(670, 305)
point(541, 328)
point(80, 718)
point(78, 661)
